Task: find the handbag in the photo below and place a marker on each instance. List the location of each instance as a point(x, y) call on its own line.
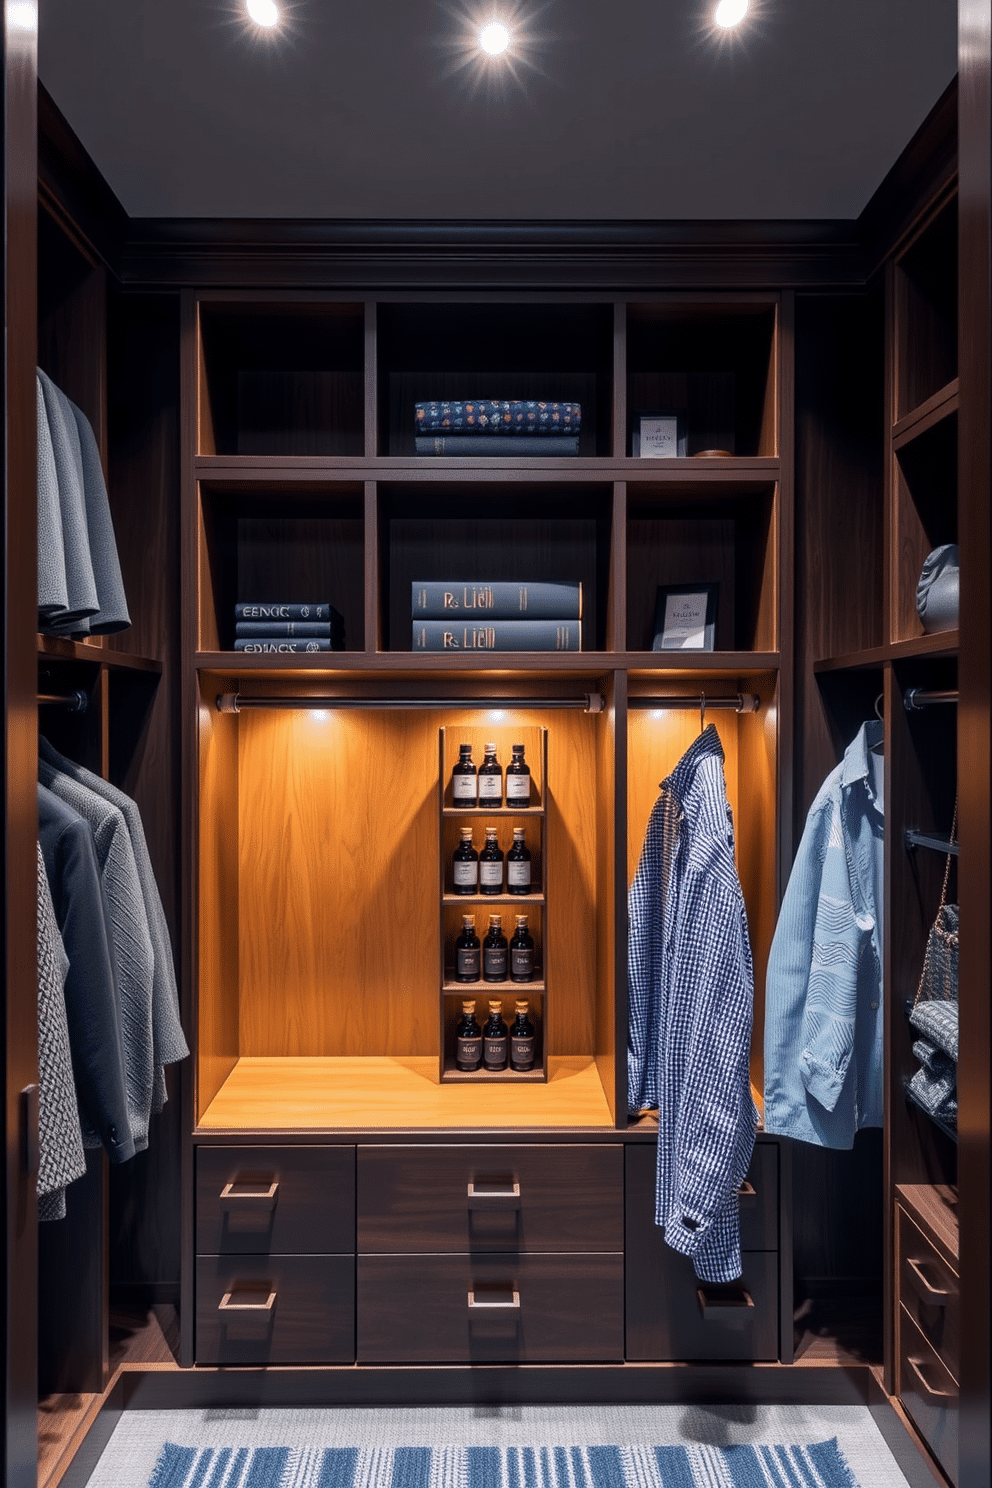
point(939, 978)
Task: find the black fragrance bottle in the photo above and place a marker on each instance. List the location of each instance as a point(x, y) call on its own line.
point(491, 865)
point(466, 865)
point(465, 779)
point(518, 865)
point(490, 779)
point(522, 953)
point(468, 1037)
point(518, 779)
point(494, 951)
point(495, 1054)
point(522, 1039)
point(468, 952)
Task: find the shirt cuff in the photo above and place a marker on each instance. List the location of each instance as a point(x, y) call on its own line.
point(823, 1083)
point(686, 1233)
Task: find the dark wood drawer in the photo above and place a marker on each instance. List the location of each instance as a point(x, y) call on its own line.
point(758, 1198)
point(458, 1199)
point(275, 1200)
point(489, 1308)
point(673, 1316)
point(275, 1309)
point(929, 1394)
point(928, 1289)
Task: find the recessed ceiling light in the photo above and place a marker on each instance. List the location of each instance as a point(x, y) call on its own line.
point(263, 12)
point(730, 12)
point(494, 38)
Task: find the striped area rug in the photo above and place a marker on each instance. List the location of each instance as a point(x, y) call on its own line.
point(819, 1465)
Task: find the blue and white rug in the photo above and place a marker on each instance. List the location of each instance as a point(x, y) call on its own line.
point(818, 1465)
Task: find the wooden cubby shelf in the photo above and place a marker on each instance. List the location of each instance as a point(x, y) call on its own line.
point(59, 648)
point(942, 405)
point(942, 643)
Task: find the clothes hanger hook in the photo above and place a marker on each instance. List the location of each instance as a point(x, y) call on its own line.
point(878, 707)
point(702, 712)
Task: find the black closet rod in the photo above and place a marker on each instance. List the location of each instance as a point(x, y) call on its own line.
point(75, 702)
point(916, 698)
point(233, 702)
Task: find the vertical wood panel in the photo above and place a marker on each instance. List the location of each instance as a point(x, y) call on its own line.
point(217, 973)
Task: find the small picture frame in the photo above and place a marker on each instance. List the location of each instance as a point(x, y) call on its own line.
point(685, 617)
point(658, 436)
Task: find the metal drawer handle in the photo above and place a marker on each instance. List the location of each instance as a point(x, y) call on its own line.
point(264, 1199)
point(914, 1365)
point(714, 1308)
point(485, 1198)
point(936, 1296)
point(226, 1305)
point(508, 1300)
point(747, 1195)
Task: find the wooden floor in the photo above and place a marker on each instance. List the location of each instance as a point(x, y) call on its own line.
point(136, 1338)
point(402, 1094)
point(839, 1332)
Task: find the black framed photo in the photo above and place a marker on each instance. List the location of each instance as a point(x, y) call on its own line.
point(658, 436)
point(685, 617)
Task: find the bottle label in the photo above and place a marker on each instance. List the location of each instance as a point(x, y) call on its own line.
point(464, 789)
point(518, 873)
point(490, 788)
point(517, 787)
point(491, 875)
point(466, 874)
point(467, 962)
point(469, 1052)
point(494, 964)
point(521, 963)
point(494, 1052)
point(522, 1051)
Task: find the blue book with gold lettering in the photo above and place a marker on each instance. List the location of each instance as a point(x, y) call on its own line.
point(497, 635)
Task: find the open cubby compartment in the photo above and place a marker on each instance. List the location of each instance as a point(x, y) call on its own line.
point(499, 349)
point(281, 377)
point(926, 312)
point(685, 535)
point(72, 323)
point(656, 741)
point(925, 483)
point(478, 532)
point(319, 967)
point(480, 993)
point(712, 362)
point(535, 742)
point(295, 544)
point(921, 785)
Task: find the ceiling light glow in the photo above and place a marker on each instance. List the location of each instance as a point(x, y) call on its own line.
point(730, 12)
point(494, 38)
point(263, 12)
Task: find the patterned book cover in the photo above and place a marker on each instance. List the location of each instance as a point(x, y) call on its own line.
point(496, 416)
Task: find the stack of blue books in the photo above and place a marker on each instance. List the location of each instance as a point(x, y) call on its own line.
point(484, 427)
point(505, 616)
point(263, 627)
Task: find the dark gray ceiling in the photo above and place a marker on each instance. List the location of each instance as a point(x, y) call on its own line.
point(618, 108)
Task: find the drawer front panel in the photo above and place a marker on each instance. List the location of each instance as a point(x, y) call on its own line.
point(928, 1289)
point(929, 1394)
point(674, 1317)
point(490, 1309)
point(275, 1200)
point(458, 1199)
point(758, 1200)
point(275, 1309)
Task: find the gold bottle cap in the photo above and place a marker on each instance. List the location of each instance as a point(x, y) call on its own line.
point(518, 833)
point(521, 922)
point(495, 1006)
point(468, 1007)
point(522, 1005)
point(490, 748)
point(496, 922)
point(468, 922)
point(466, 834)
point(491, 831)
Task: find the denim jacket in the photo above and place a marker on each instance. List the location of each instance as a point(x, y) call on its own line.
point(691, 1005)
point(823, 996)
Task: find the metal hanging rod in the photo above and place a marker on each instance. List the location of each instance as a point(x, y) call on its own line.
point(932, 840)
point(741, 702)
point(233, 702)
point(73, 702)
point(917, 698)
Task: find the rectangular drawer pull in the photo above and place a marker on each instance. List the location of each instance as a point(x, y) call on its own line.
point(258, 1198)
point(717, 1307)
point(936, 1296)
point(226, 1305)
point(489, 1198)
point(915, 1366)
point(495, 1299)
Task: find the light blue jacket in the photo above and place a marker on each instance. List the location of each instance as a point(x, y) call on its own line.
point(823, 995)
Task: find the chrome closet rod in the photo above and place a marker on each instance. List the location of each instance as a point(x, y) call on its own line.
point(76, 702)
point(916, 698)
point(742, 702)
point(234, 702)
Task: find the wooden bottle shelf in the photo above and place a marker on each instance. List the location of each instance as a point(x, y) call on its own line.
point(478, 989)
point(496, 812)
point(481, 900)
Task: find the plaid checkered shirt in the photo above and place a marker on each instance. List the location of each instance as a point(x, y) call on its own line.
point(691, 990)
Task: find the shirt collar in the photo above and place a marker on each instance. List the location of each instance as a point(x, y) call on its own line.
point(706, 746)
point(856, 763)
